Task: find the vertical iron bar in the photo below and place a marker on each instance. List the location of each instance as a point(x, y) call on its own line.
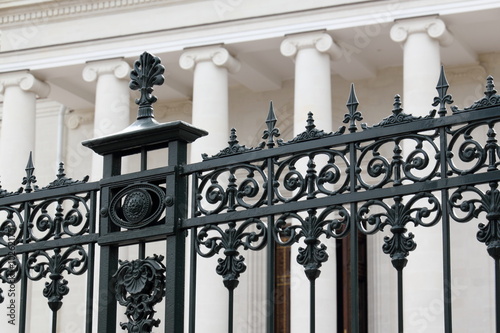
point(312, 305)
point(54, 321)
point(193, 260)
point(23, 296)
point(446, 235)
point(400, 301)
point(90, 269)
point(230, 311)
point(106, 317)
point(177, 191)
point(192, 282)
point(144, 167)
point(497, 294)
point(353, 251)
point(142, 250)
point(24, 277)
point(90, 289)
point(144, 159)
point(271, 274)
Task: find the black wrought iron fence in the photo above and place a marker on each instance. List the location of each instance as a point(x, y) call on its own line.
point(427, 172)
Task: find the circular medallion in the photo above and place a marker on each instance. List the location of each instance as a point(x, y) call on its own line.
point(137, 205)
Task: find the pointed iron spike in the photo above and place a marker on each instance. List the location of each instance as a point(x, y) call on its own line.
point(271, 130)
point(271, 116)
point(352, 102)
point(442, 86)
point(29, 165)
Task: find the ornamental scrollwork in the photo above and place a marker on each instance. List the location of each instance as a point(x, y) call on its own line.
point(469, 202)
point(333, 221)
point(251, 234)
point(397, 216)
point(139, 286)
point(11, 228)
point(73, 260)
point(472, 154)
point(10, 270)
point(420, 164)
point(299, 176)
point(228, 189)
point(70, 217)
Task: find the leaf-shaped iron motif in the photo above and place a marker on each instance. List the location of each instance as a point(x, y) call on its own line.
point(148, 71)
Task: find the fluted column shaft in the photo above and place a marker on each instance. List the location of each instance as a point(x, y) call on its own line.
point(17, 138)
point(312, 53)
point(112, 101)
point(211, 65)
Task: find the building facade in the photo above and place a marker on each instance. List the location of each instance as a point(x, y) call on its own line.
point(64, 75)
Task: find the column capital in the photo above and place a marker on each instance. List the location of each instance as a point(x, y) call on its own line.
point(319, 40)
point(118, 67)
point(216, 54)
point(432, 25)
point(26, 81)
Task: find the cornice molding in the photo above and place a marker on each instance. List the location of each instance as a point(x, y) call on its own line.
point(51, 10)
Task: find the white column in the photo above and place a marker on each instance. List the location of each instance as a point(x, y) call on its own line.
point(312, 53)
point(17, 138)
point(421, 38)
point(211, 65)
point(112, 101)
point(423, 278)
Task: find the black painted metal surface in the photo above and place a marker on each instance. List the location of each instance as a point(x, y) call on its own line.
point(405, 170)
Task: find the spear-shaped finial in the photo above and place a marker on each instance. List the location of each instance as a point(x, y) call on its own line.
point(442, 99)
point(353, 115)
point(271, 131)
point(30, 177)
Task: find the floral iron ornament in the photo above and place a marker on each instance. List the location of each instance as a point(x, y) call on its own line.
point(397, 216)
point(331, 222)
point(230, 240)
point(139, 285)
point(73, 260)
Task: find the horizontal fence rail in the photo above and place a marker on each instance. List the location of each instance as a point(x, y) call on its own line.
point(402, 173)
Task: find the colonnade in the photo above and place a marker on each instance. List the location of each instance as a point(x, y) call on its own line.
point(312, 52)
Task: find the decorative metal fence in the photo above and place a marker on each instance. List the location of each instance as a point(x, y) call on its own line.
point(359, 180)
